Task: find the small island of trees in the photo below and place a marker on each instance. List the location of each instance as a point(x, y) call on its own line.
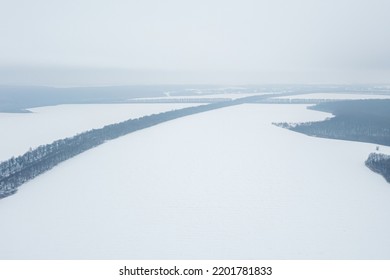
point(379, 163)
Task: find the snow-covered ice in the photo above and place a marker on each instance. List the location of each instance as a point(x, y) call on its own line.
point(19, 132)
point(225, 184)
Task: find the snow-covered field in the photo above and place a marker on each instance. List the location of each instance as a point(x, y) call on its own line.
point(336, 96)
point(19, 132)
point(224, 184)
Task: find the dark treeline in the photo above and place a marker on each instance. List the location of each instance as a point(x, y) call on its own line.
point(379, 163)
point(357, 120)
point(16, 171)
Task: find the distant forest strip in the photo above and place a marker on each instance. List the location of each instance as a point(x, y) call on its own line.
point(16, 171)
point(355, 120)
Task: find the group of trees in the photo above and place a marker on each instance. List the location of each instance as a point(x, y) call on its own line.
point(379, 163)
point(358, 120)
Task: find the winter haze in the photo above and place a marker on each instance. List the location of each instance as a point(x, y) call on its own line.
point(48, 42)
point(194, 130)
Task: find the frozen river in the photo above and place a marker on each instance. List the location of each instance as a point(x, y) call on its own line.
point(224, 184)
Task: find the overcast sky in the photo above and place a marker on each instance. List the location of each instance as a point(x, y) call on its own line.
point(194, 41)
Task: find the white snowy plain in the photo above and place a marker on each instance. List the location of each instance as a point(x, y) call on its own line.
point(47, 124)
point(225, 184)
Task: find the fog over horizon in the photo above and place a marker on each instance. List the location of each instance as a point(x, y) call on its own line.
point(193, 42)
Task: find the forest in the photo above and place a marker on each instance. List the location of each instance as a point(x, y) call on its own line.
point(354, 120)
point(357, 120)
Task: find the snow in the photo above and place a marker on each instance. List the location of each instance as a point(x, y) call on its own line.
point(47, 124)
point(225, 184)
point(336, 96)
